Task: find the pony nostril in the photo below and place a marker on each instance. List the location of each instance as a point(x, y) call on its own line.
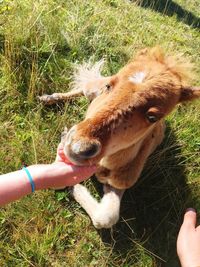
point(86, 150)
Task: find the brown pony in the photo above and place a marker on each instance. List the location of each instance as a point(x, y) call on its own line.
point(124, 123)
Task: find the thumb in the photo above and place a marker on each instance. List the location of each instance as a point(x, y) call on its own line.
point(81, 173)
point(84, 171)
point(190, 218)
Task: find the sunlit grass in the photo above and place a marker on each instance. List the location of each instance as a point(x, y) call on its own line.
point(39, 42)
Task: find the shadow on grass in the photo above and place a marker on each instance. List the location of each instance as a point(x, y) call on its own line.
point(171, 8)
point(152, 211)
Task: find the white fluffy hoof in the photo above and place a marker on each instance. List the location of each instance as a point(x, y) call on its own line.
point(104, 220)
point(79, 192)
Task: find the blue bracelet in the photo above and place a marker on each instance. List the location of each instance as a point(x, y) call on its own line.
point(30, 179)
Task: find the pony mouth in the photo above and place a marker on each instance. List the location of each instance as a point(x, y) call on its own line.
point(79, 160)
point(81, 151)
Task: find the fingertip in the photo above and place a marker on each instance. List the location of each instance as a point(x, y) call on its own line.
point(60, 146)
point(190, 217)
point(190, 213)
point(190, 209)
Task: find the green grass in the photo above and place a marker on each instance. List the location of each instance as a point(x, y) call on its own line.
point(39, 42)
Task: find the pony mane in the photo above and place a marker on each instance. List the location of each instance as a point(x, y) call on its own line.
point(181, 67)
point(178, 64)
point(86, 72)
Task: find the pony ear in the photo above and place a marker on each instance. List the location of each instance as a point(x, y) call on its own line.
point(189, 93)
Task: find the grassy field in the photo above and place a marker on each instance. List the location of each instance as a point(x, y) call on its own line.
point(39, 42)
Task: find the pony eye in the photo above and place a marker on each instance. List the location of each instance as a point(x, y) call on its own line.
point(151, 118)
point(108, 87)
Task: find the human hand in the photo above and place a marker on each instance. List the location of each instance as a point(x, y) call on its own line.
point(188, 242)
point(62, 172)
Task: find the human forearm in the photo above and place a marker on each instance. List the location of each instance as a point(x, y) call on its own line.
point(16, 184)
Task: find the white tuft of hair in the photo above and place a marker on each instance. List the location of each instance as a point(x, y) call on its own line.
point(137, 77)
point(85, 73)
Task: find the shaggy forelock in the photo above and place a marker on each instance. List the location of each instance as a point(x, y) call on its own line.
point(86, 72)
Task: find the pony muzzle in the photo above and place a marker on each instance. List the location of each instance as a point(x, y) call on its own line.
point(86, 149)
point(82, 151)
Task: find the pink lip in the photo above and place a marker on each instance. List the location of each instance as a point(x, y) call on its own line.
point(70, 163)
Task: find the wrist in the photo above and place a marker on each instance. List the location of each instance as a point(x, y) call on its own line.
point(39, 174)
point(29, 178)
